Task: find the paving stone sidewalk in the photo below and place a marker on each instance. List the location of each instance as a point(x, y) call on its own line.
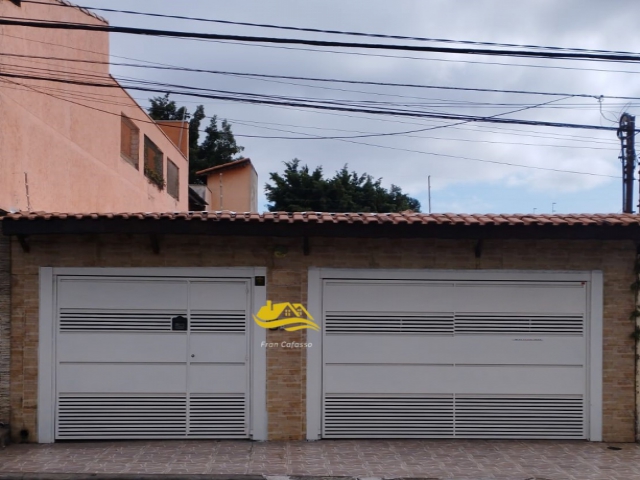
point(433, 459)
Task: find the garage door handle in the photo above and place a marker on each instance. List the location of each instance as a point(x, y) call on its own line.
point(193, 355)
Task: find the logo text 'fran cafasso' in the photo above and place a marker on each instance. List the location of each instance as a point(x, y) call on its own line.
point(290, 316)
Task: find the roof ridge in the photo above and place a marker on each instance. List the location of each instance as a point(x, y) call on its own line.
point(83, 10)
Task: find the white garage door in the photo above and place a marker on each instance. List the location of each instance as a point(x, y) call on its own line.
point(151, 358)
point(470, 359)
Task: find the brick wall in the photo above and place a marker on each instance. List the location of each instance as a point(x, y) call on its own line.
point(287, 281)
point(5, 323)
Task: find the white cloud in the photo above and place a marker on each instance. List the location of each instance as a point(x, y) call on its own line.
point(570, 23)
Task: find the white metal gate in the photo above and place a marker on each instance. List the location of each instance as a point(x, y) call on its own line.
point(151, 358)
point(469, 359)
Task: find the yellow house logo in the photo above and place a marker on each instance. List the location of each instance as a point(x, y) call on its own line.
point(291, 316)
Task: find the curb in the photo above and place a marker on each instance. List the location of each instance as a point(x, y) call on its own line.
point(124, 476)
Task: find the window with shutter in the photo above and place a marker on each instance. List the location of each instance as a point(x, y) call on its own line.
point(153, 163)
point(129, 141)
point(173, 180)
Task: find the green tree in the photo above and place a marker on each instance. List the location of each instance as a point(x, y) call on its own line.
point(219, 146)
point(298, 190)
point(164, 109)
point(194, 147)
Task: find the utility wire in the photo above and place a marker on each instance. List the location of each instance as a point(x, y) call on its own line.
point(252, 123)
point(258, 124)
point(398, 121)
point(459, 157)
point(427, 128)
point(250, 98)
point(356, 142)
point(425, 59)
point(325, 80)
point(276, 100)
point(470, 62)
point(333, 32)
point(502, 130)
point(43, 23)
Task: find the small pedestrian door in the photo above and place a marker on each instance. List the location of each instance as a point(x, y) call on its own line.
point(152, 358)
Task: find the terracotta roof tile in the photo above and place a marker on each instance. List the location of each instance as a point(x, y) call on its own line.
point(407, 218)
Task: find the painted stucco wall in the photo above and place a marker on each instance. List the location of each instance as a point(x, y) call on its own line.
point(287, 282)
point(234, 189)
point(66, 138)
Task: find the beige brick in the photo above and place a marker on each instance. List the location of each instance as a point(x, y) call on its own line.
point(287, 281)
point(5, 325)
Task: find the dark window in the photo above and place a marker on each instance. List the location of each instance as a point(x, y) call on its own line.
point(173, 179)
point(129, 141)
point(153, 162)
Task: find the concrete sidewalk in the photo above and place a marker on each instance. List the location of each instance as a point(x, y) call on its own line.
point(243, 460)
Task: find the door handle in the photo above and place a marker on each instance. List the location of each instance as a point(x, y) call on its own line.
point(193, 355)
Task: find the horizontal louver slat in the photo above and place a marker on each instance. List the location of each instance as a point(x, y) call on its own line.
point(447, 324)
point(489, 323)
point(542, 417)
point(121, 416)
point(504, 417)
point(436, 323)
point(217, 416)
point(221, 322)
point(72, 320)
point(384, 417)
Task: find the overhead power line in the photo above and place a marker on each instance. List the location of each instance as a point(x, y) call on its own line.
point(102, 77)
point(355, 142)
point(327, 31)
point(322, 80)
point(102, 98)
point(108, 99)
point(283, 101)
point(377, 55)
point(42, 23)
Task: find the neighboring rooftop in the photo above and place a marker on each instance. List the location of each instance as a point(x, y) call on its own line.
point(227, 166)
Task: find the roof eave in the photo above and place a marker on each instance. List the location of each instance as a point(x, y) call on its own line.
point(184, 226)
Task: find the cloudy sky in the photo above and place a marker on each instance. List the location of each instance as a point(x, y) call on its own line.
point(458, 158)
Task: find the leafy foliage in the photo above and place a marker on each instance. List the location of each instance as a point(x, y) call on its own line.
point(164, 109)
point(154, 177)
point(300, 190)
point(219, 146)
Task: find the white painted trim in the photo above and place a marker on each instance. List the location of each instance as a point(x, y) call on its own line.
point(314, 357)
point(46, 357)
point(259, 418)
point(595, 348)
point(459, 275)
point(595, 325)
point(191, 272)
point(46, 351)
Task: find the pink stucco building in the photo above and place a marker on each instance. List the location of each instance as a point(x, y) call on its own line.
point(232, 186)
point(75, 148)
